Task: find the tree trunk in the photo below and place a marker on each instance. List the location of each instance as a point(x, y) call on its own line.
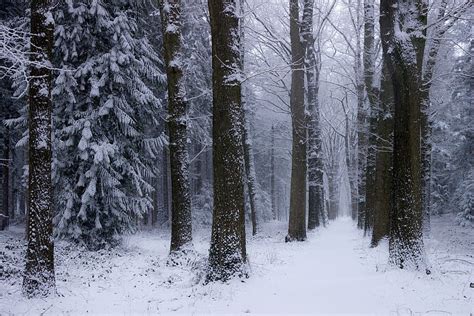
point(297, 220)
point(246, 137)
point(315, 163)
point(372, 97)
point(250, 173)
point(5, 163)
point(426, 147)
point(351, 168)
point(272, 177)
point(181, 221)
point(405, 59)
point(227, 255)
point(154, 211)
point(39, 279)
point(383, 161)
point(166, 191)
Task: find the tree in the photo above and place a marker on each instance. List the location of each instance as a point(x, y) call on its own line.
point(372, 98)
point(247, 141)
point(315, 164)
point(297, 220)
point(402, 27)
point(5, 165)
point(105, 105)
point(227, 254)
point(272, 175)
point(39, 279)
point(181, 221)
point(383, 160)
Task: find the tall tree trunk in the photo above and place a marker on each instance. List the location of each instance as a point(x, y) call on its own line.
point(154, 211)
point(297, 220)
point(372, 97)
point(39, 279)
point(250, 174)
point(315, 163)
point(227, 255)
point(272, 177)
point(5, 163)
point(426, 147)
point(405, 59)
point(383, 160)
point(165, 179)
point(351, 168)
point(181, 221)
point(246, 137)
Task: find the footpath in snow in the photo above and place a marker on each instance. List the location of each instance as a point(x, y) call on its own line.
point(333, 272)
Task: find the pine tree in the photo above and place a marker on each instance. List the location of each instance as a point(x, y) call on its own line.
point(227, 254)
point(104, 159)
point(39, 278)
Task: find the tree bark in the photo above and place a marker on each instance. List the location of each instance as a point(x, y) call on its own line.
point(272, 177)
point(315, 163)
point(5, 163)
point(297, 220)
point(181, 221)
point(39, 279)
point(383, 161)
point(227, 255)
point(165, 179)
point(405, 59)
point(372, 97)
point(250, 174)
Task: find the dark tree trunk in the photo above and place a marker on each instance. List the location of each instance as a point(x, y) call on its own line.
point(297, 220)
point(181, 221)
point(372, 97)
point(39, 279)
point(383, 161)
point(405, 60)
point(154, 211)
point(272, 176)
point(166, 191)
point(315, 163)
point(5, 163)
point(361, 154)
point(227, 254)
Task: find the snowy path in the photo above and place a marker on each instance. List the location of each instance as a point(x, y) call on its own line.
point(320, 277)
point(334, 271)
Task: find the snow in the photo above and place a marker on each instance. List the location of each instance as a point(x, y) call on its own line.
point(333, 272)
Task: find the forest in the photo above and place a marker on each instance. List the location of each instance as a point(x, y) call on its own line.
point(236, 156)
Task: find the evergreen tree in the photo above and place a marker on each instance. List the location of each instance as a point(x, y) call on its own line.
point(104, 105)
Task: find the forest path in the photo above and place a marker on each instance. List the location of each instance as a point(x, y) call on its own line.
point(328, 274)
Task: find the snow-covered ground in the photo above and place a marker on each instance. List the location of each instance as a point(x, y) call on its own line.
point(333, 272)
